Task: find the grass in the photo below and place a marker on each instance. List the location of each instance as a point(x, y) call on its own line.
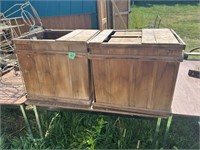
point(183, 19)
point(69, 129)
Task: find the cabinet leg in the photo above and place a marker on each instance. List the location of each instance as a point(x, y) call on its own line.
point(169, 120)
point(155, 139)
point(26, 120)
point(38, 121)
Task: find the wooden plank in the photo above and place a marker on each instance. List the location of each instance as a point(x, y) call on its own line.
point(101, 36)
point(78, 48)
point(61, 75)
point(102, 13)
point(84, 35)
point(101, 74)
point(123, 13)
point(11, 89)
point(119, 16)
point(68, 101)
point(79, 78)
point(164, 85)
point(148, 36)
point(127, 34)
point(122, 5)
point(82, 21)
point(120, 108)
point(118, 21)
point(69, 35)
point(61, 105)
point(165, 36)
point(132, 100)
point(186, 100)
point(102, 80)
point(120, 82)
point(125, 41)
point(45, 77)
point(144, 81)
point(79, 70)
point(29, 72)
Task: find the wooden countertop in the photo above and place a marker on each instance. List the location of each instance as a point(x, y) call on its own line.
point(186, 100)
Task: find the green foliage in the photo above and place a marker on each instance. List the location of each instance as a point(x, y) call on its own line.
point(184, 19)
point(74, 130)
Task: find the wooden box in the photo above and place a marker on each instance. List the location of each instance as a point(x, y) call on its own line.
point(55, 67)
point(135, 71)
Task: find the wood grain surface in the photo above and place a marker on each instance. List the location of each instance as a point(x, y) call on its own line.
point(49, 73)
point(186, 100)
point(137, 71)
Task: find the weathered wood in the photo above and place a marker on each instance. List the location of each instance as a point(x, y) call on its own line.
point(101, 109)
point(68, 36)
point(29, 72)
point(101, 36)
point(139, 58)
point(61, 75)
point(127, 34)
point(137, 110)
point(186, 99)
point(125, 40)
point(51, 74)
point(102, 14)
point(148, 36)
point(82, 21)
point(131, 75)
point(120, 19)
point(165, 36)
point(11, 89)
point(84, 35)
point(159, 36)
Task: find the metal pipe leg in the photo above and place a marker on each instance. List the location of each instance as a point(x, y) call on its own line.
point(26, 120)
point(38, 121)
point(169, 120)
point(155, 139)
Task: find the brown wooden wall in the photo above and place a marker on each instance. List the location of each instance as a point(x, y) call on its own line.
point(68, 22)
point(82, 21)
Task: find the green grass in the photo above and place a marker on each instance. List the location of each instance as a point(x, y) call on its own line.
point(69, 129)
point(183, 19)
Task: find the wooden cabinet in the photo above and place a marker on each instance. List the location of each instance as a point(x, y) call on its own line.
point(55, 67)
point(135, 71)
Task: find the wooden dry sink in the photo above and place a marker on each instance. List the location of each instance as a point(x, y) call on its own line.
point(136, 70)
point(121, 70)
point(55, 67)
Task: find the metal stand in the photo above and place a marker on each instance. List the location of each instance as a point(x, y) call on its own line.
point(38, 121)
point(169, 121)
point(26, 120)
point(155, 139)
point(23, 110)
